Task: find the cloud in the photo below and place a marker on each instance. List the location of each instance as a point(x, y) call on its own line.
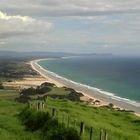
point(72, 7)
point(78, 23)
point(2, 43)
point(4, 16)
point(17, 25)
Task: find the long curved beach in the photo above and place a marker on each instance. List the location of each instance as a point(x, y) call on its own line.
point(89, 91)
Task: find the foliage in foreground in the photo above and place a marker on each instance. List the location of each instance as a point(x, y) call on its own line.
point(119, 125)
point(49, 127)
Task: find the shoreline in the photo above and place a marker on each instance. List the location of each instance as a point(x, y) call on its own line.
point(89, 92)
point(34, 62)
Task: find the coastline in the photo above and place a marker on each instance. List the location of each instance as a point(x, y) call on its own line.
point(40, 71)
point(88, 92)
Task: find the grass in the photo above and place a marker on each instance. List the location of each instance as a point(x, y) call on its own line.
point(9, 94)
point(54, 91)
point(10, 126)
point(58, 91)
point(119, 125)
point(49, 127)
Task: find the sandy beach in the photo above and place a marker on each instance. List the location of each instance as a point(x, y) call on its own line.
point(31, 81)
point(25, 82)
point(87, 92)
point(40, 71)
point(59, 83)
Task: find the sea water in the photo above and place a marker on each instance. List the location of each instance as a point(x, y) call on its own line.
point(117, 75)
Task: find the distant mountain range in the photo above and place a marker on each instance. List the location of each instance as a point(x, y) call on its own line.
point(42, 54)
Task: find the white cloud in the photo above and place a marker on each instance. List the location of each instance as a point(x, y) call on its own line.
point(18, 25)
point(4, 16)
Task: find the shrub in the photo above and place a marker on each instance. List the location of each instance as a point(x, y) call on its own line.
point(28, 92)
point(46, 84)
point(64, 134)
point(34, 120)
point(49, 127)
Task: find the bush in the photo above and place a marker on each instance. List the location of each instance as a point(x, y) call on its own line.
point(34, 120)
point(28, 92)
point(42, 89)
point(34, 91)
point(64, 134)
point(46, 84)
point(49, 127)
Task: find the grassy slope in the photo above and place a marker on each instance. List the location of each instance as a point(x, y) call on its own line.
point(58, 91)
point(10, 126)
point(8, 94)
point(54, 91)
point(120, 125)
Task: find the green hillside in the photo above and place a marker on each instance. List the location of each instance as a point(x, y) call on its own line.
point(119, 125)
point(10, 126)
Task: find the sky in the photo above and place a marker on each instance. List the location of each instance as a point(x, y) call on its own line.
point(78, 26)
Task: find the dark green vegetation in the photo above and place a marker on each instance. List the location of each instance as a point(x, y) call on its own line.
point(49, 90)
point(13, 68)
point(48, 127)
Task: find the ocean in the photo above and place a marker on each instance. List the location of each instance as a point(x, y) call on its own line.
point(118, 76)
